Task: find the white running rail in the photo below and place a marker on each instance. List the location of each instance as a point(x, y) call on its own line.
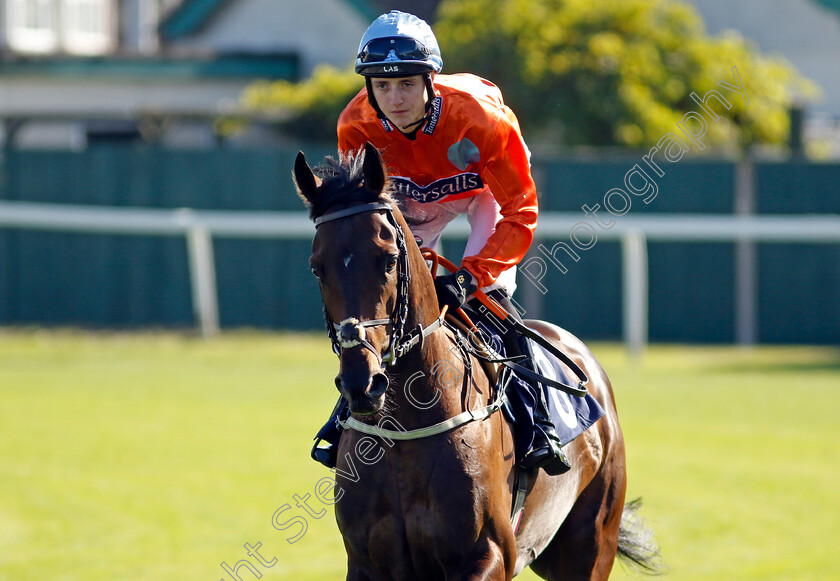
point(199, 227)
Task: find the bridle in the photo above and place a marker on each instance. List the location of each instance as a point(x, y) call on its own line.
point(350, 332)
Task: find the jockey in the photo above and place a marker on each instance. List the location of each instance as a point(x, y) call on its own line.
point(452, 147)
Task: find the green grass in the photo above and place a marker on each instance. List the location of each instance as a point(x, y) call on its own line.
point(158, 456)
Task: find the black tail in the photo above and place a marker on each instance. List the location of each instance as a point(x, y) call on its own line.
point(637, 547)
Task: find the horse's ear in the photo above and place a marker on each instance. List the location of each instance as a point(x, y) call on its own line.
point(305, 181)
point(373, 169)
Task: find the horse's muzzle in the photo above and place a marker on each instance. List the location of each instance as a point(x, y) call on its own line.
point(364, 392)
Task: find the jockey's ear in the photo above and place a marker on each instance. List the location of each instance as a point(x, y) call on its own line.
point(306, 182)
point(373, 169)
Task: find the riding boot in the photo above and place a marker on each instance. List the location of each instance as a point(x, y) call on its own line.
point(331, 434)
point(546, 451)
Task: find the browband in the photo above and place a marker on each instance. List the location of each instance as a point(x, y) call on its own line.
point(371, 207)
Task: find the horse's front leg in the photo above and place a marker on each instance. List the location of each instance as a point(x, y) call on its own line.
point(358, 574)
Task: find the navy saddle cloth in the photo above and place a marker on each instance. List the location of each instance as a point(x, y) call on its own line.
point(570, 414)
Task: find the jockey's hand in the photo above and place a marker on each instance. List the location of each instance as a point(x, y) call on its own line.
point(454, 289)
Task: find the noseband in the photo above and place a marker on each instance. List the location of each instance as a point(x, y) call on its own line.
point(351, 331)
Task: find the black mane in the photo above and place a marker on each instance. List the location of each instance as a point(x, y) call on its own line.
point(342, 186)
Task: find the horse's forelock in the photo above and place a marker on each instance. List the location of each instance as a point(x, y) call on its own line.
point(342, 183)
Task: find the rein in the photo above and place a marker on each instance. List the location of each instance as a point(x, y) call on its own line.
point(578, 390)
point(445, 425)
point(350, 332)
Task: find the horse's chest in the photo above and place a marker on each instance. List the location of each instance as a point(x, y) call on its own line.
point(426, 519)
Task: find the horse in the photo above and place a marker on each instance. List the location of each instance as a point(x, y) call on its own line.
point(426, 473)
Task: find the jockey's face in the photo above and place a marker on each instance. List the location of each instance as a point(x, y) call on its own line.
point(402, 99)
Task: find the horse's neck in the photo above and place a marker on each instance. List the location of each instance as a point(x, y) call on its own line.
point(431, 383)
point(434, 380)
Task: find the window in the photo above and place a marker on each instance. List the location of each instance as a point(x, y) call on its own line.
point(33, 25)
point(87, 26)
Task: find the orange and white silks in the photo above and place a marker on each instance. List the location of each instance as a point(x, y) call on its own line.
point(467, 158)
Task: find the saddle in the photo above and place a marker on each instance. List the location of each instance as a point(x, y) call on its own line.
point(483, 350)
point(487, 351)
point(571, 416)
point(493, 307)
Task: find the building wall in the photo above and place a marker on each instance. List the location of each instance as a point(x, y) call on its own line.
point(4, 20)
point(58, 26)
point(110, 97)
point(806, 33)
point(323, 31)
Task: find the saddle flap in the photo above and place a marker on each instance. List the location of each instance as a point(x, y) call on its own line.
point(571, 415)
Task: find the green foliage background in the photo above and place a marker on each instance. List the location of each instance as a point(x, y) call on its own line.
point(579, 72)
point(307, 110)
point(615, 72)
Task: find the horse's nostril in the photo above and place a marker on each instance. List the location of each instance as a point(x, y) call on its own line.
point(378, 384)
point(338, 382)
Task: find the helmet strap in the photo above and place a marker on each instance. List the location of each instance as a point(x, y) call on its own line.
point(430, 91)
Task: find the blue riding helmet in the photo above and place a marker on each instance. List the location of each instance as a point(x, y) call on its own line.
point(398, 44)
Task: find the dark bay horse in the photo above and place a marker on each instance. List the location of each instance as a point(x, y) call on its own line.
point(426, 472)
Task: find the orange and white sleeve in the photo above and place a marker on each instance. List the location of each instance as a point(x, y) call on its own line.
point(507, 173)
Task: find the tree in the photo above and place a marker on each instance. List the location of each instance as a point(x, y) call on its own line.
point(307, 110)
point(578, 72)
point(614, 72)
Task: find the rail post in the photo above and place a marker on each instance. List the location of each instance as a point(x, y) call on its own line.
point(202, 275)
point(634, 291)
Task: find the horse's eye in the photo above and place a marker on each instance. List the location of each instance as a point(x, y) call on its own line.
point(392, 262)
point(314, 272)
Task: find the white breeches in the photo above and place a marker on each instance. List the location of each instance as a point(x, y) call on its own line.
point(427, 222)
